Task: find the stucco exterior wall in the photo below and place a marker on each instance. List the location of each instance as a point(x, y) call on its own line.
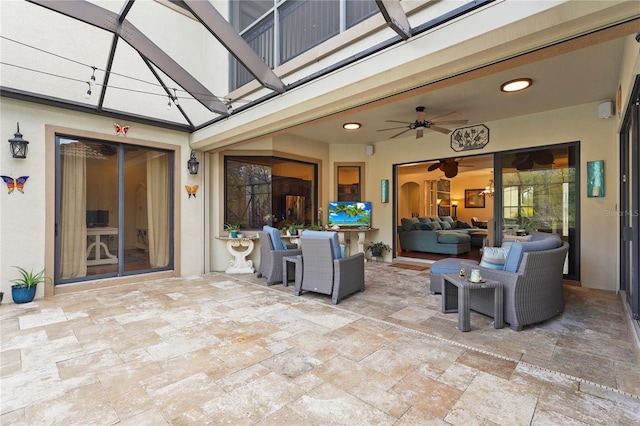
point(598, 141)
point(23, 234)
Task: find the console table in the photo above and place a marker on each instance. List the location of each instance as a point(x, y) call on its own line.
point(239, 248)
point(455, 298)
point(98, 244)
point(361, 235)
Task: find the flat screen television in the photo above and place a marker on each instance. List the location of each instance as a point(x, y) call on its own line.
point(350, 213)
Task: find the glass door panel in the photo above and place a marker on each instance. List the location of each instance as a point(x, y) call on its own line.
point(113, 210)
point(136, 227)
point(539, 194)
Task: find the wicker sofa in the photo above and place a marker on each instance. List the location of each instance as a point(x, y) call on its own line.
point(531, 278)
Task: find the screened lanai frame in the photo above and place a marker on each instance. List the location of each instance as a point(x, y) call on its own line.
point(163, 71)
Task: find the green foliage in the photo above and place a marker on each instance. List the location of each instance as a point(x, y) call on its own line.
point(231, 227)
point(378, 245)
point(29, 279)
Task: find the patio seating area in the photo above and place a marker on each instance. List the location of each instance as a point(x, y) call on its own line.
point(230, 349)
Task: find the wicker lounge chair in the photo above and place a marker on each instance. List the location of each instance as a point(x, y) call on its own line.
point(322, 270)
point(271, 259)
point(532, 293)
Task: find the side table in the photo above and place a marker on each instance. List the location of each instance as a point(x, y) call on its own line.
point(285, 268)
point(455, 298)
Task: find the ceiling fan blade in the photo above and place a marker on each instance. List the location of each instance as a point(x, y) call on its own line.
point(449, 114)
point(395, 136)
point(525, 165)
point(440, 129)
point(521, 157)
point(419, 134)
point(543, 156)
point(396, 121)
point(433, 167)
point(392, 128)
point(450, 122)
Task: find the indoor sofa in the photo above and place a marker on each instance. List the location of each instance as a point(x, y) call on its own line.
point(531, 273)
point(424, 235)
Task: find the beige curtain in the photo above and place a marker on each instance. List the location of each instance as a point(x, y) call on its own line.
point(73, 210)
point(158, 193)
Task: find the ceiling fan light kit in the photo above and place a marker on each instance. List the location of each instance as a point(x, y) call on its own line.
point(422, 124)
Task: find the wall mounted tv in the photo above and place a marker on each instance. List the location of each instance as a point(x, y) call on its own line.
point(350, 213)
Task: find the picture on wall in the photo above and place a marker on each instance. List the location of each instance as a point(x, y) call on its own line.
point(473, 199)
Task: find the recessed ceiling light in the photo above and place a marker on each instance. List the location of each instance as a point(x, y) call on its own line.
point(351, 126)
point(516, 85)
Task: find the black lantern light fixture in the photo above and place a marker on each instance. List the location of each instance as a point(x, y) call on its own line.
point(18, 146)
point(193, 164)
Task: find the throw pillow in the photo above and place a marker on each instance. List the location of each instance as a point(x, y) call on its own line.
point(435, 226)
point(445, 225)
point(425, 227)
point(461, 224)
point(447, 219)
point(494, 257)
point(407, 224)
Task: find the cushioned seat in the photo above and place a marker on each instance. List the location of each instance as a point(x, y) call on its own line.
point(530, 273)
point(450, 265)
point(453, 237)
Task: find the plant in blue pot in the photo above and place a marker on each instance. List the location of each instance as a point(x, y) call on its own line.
point(232, 229)
point(24, 288)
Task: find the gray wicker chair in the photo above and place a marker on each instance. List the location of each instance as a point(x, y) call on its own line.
point(271, 260)
point(533, 293)
point(321, 270)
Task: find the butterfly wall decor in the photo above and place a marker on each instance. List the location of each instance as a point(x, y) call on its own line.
point(191, 190)
point(121, 130)
point(13, 183)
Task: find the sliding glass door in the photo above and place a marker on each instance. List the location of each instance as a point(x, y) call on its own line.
point(113, 209)
point(539, 194)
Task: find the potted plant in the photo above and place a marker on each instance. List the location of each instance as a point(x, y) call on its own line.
point(24, 288)
point(293, 229)
point(233, 229)
point(377, 248)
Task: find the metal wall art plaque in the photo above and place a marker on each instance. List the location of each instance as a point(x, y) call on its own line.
point(468, 138)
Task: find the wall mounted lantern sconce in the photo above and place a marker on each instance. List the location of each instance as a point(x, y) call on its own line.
point(18, 146)
point(193, 164)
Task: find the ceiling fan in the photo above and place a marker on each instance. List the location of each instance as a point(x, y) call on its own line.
point(449, 166)
point(526, 160)
point(422, 123)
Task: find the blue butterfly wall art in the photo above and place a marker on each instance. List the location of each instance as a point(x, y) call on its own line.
point(13, 183)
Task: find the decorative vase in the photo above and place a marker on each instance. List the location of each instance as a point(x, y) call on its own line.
point(233, 234)
point(23, 294)
point(376, 252)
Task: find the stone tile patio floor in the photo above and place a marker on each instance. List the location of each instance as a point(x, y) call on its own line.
point(224, 349)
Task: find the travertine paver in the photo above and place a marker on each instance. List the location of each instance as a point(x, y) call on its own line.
point(217, 349)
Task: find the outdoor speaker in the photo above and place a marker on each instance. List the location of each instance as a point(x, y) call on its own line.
point(369, 150)
point(605, 109)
